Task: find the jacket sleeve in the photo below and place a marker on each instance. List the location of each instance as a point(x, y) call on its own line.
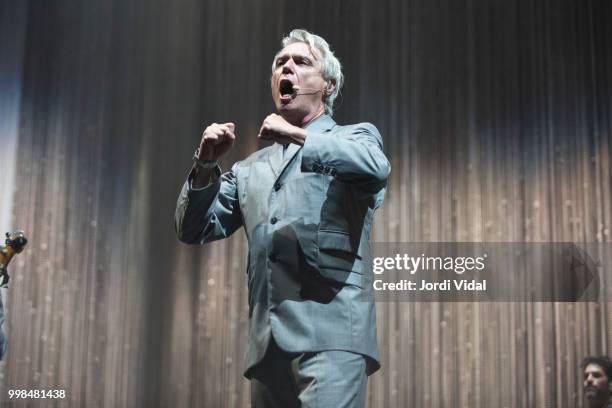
point(210, 213)
point(355, 157)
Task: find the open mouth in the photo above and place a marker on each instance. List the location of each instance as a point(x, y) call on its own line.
point(285, 88)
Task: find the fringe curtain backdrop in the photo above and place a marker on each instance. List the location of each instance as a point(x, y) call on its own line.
point(496, 116)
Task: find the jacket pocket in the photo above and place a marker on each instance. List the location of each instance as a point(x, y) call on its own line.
point(338, 258)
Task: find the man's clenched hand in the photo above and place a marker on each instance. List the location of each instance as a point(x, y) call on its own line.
point(217, 139)
point(277, 129)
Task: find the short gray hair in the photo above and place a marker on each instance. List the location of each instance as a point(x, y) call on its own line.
point(330, 65)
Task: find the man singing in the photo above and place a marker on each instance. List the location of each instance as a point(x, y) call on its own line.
point(306, 204)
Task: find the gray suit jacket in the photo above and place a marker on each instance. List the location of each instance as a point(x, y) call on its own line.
point(307, 218)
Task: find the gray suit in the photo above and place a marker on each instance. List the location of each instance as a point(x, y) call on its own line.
point(307, 213)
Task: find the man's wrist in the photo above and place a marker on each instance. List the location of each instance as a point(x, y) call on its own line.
point(299, 136)
point(205, 164)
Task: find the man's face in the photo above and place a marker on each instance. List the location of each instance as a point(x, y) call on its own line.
point(596, 385)
point(296, 65)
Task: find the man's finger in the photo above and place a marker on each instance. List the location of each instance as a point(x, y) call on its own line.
point(226, 137)
point(264, 133)
point(230, 126)
point(229, 136)
point(211, 138)
point(214, 129)
point(227, 130)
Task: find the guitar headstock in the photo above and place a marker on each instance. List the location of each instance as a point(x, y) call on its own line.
point(16, 240)
point(14, 243)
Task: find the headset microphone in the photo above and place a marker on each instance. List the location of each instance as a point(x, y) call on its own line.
point(297, 89)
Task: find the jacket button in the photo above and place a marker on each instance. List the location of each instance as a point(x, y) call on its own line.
point(327, 169)
point(277, 186)
point(274, 220)
point(333, 172)
point(314, 167)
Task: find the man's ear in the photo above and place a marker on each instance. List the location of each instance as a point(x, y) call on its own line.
point(330, 86)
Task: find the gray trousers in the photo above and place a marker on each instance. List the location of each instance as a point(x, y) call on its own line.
point(334, 379)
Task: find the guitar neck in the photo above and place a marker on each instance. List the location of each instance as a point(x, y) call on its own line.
point(15, 241)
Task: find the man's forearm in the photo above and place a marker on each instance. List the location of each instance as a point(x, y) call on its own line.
point(201, 177)
point(298, 136)
point(209, 213)
point(356, 158)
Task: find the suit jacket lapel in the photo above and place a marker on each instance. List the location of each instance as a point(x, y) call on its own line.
point(292, 150)
point(275, 158)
